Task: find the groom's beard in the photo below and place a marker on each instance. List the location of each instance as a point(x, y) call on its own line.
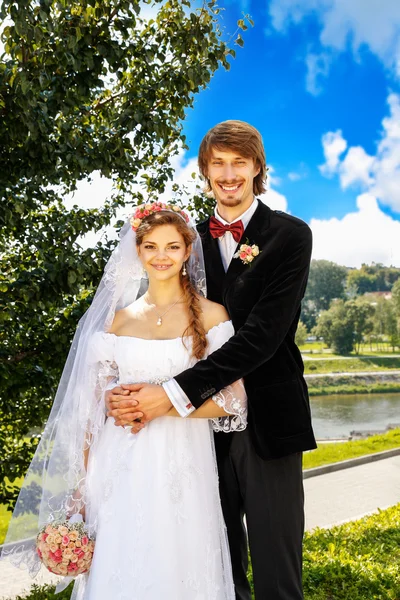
point(230, 202)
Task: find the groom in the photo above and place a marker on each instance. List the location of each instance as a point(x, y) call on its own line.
point(260, 469)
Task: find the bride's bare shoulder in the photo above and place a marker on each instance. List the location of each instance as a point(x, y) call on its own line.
point(213, 313)
point(126, 315)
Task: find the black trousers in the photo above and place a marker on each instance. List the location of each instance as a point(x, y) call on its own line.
point(270, 495)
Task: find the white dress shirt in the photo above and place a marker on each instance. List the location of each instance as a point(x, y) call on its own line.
point(227, 248)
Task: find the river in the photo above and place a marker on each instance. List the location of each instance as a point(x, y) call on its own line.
point(336, 415)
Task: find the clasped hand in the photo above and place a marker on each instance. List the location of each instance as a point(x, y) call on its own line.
point(136, 404)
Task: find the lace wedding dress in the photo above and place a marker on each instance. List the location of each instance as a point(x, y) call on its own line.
point(154, 495)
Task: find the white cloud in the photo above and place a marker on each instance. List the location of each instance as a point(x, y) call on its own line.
point(318, 66)
point(356, 167)
point(386, 167)
point(90, 194)
point(354, 24)
point(365, 236)
point(334, 145)
point(300, 173)
point(275, 200)
point(293, 176)
point(272, 198)
point(379, 174)
point(272, 179)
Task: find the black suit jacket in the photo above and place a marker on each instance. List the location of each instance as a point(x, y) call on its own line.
point(263, 300)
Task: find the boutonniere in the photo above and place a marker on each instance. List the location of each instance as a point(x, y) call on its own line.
point(247, 252)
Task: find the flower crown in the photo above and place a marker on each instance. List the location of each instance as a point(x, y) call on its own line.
point(145, 210)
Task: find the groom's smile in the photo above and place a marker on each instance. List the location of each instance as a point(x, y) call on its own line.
point(231, 179)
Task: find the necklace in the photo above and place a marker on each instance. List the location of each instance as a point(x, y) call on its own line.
point(159, 320)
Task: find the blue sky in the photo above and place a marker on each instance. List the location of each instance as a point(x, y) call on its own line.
point(318, 78)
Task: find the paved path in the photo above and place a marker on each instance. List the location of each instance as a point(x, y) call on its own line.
point(352, 493)
point(330, 499)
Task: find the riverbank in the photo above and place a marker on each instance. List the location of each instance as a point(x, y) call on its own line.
point(329, 453)
point(335, 377)
point(351, 364)
point(351, 384)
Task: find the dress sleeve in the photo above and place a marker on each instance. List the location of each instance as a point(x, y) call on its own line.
point(102, 353)
point(233, 398)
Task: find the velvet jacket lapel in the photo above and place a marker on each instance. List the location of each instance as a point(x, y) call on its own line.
point(215, 273)
point(251, 235)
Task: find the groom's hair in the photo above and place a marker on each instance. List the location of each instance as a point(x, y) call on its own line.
point(235, 136)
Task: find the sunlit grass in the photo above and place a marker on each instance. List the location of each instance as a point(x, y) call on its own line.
point(332, 453)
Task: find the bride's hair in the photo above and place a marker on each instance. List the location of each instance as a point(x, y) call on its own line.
point(195, 328)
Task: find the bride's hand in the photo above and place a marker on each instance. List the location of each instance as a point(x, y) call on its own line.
point(152, 402)
point(121, 405)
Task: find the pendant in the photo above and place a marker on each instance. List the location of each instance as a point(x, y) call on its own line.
point(159, 321)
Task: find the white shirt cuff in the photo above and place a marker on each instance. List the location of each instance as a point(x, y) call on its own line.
point(178, 398)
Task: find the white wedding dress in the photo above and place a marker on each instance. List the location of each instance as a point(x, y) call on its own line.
point(154, 495)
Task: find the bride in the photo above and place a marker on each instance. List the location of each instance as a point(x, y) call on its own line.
point(150, 498)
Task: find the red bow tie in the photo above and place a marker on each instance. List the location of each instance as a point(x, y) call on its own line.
point(217, 229)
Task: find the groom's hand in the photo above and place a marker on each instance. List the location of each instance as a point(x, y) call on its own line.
point(152, 400)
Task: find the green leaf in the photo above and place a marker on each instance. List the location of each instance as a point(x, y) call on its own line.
point(239, 41)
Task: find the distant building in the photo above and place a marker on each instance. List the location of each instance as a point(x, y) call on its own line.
point(375, 295)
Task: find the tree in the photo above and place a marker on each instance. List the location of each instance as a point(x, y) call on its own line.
point(335, 326)
point(396, 297)
point(345, 324)
point(372, 278)
point(360, 313)
point(386, 322)
point(85, 87)
point(325, 283)
point(301, 334)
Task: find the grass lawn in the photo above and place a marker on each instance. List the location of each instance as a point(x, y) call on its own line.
point(332, 453)
point(321, 348)
point(354, 561)
point(351, 365)
point(4, 519)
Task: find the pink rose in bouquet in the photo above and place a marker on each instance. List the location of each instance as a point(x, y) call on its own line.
point(65, 548)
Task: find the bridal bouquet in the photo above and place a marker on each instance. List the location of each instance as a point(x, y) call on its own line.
point(65, 548)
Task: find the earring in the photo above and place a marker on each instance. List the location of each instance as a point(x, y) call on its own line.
point(184, 272)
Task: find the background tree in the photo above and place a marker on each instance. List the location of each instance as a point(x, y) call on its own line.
point(385, 323)
point(325, 283)
point(396, 297)
point(301, 334)
point(360, 313)
point(335, 326)
point(372, 278)
point(85, 87)
point(344, 326)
